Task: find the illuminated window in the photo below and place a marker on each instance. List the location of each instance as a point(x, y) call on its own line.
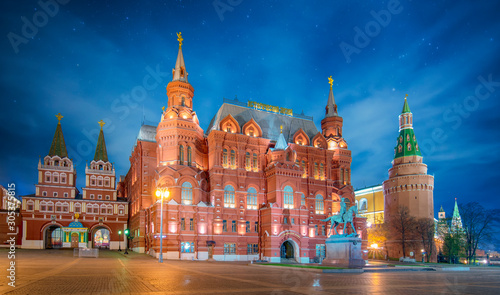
point(229, 196)
point(187, 247)
point(250, 131)
point(341, 175)
point(363, 205)
point(181, 155)
point(224, 158)
point(321, 171)
point(189, 156)
point(251, 198)
point(247, 161)
point(187, 193)
point(316, 171)
point(254, 164)
point(233, 159)
point(319, 205)
point(288, 197)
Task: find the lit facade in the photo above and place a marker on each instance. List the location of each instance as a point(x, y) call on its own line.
point(57, 216)
point(254, 185)
point(370, 203)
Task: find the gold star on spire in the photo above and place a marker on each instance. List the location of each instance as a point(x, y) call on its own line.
point(59, 117)
point(330, 81)
point(179, 38)
point(101, 123)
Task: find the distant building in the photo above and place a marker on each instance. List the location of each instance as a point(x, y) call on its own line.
point(370, 201)
point(57, 216)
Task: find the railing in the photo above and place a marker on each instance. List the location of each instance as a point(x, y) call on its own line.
point(243, 104)
point(99, 171)
point(62, 168)
point(86, 252)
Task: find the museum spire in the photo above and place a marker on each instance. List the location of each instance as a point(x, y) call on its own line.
point(179, 72)
point(331, 107)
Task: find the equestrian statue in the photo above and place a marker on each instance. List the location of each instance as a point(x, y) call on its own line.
point(345, 217)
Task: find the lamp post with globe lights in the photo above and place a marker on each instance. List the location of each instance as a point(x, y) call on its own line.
point(161, 193)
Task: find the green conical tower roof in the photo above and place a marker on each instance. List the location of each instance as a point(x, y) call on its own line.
point(58, 146)
point(456, 214)
point(100, 150)
point(407, 142)
point(406, 107)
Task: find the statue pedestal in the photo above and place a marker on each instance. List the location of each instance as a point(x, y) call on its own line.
point(344, 252)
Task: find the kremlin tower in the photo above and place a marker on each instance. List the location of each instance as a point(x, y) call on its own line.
point(408, 184)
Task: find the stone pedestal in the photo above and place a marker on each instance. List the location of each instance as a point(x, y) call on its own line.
point(344, 252)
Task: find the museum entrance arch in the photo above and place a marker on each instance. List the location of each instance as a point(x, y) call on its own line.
point(53, 237)
point(287, 251)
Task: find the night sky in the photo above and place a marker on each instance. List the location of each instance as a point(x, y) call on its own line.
point(93, 60)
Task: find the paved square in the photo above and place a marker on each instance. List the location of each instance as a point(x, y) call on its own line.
point(58, 272)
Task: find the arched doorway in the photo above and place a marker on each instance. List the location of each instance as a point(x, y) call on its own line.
point(53, 237)
point(287, 251)
point(100, 239)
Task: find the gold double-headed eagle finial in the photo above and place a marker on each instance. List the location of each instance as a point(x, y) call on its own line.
point(406, 95)
point(59, 117)
point(281, 128)
point(179, 38)
point(101, 123)
point(330, 81)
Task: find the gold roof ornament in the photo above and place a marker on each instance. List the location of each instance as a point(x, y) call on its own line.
point(163, 108)
point(179, 38)
point(330, 81)
point(101, 123)
point(59, 117)
point(281, 128)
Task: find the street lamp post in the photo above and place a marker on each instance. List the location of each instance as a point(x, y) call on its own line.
point(126, 244)
point(119, 240)
point(161, 193)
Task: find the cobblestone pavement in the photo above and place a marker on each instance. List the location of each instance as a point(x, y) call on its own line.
point(58, 272)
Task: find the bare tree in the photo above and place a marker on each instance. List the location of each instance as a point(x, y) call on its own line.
point(478, 226)
point(425, 230)
point(402, 227)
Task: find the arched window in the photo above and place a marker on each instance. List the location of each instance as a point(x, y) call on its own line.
point(63, 177)
point(224, 158)
point(254, 164)
point(251, 131)
point(189, 156)
point(47, 176)
point(187, 193)
point(341, 175)
point(251, 198)
point(302, 200)
point(315, 170)
point(233, 159)
point(304, 168)
point(363, 205)
point(319, 205)
point(321, 171)
point(247, 161)
point(288, 197)
point(55, 177)
point(183, 101)
point(181, 155)
point(78, 208)
point(229, 196)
